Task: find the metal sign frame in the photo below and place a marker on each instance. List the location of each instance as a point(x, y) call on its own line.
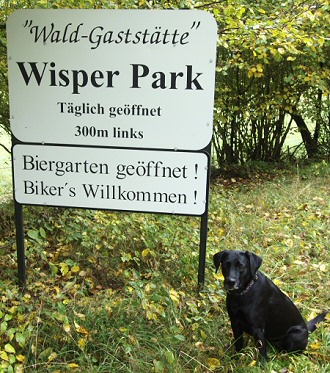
point(171, 61)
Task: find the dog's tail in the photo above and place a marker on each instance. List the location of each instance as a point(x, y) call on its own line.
point(312, 324)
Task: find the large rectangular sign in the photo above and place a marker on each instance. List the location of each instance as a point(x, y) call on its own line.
point(112, 78)
point(132, 180)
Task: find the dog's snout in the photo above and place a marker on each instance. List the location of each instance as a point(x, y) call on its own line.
point(230, 282)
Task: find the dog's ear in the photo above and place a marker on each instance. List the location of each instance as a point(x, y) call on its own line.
point(217, 259)
point(255, 262)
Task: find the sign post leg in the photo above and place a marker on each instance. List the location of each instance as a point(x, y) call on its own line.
point(202, 250)
point(20, 245)
point(204, 227)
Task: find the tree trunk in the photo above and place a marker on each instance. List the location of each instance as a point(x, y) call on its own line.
point(309, 142)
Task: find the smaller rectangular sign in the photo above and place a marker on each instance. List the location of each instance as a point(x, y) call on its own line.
point(114, 179)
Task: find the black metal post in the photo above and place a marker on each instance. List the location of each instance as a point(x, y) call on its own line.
point(19, 223)
point(204, 227)
point(202, 250)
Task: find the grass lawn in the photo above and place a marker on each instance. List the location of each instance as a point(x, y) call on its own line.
point(116, 292)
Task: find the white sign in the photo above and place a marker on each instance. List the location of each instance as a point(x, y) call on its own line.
point(131, 180)
point(112, 78)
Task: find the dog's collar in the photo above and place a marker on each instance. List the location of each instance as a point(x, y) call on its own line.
point(251, 283)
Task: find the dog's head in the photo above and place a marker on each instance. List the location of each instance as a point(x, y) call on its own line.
point(238, 268)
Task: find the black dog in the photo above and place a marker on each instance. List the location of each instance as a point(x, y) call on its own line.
point(258, 307)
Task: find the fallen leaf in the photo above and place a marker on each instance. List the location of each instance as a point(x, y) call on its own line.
point(73, 365)
point(80, 329)
point(4, 356)
point(81, 343)
point(66, 327)
point(213, 363)
point(20, 358)
point(315, 345)
point(9, 348)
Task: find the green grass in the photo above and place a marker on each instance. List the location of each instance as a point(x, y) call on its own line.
point(116, 292)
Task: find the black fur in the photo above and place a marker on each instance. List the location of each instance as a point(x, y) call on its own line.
point(258, 307)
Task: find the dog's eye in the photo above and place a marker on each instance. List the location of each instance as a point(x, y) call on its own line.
point(240, 266)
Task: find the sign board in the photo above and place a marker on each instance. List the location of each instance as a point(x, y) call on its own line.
point(119, 78)
point(135, 180)
point(112, 109)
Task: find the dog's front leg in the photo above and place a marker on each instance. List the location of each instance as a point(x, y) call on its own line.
point(238, 334)
point(261, 344)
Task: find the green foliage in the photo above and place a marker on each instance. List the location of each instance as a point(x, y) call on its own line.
point(272, 73)
point(112, 292)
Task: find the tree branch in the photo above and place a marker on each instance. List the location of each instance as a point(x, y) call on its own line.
point(6, 149)
point(208, 5)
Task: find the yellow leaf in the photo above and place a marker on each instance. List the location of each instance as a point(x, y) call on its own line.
point(4, 356)
point(315, 345)
point(199, 345)
point(9, 348)
point(64, 268)
point(20, 358)
point(80, 315)
point(75, 269)
point(195, 326)
point(147, 288)
point(259, 68)
point(213, 363)
point(145, 253)
point(52, 356)
point(174, 295)
point(133, 340)
point(81, 343)
point(311, 315)
point(80, 329)
point(66, 327)
point(221, 232)
point(218, 276)
point(277, 281)
point(73, 365)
